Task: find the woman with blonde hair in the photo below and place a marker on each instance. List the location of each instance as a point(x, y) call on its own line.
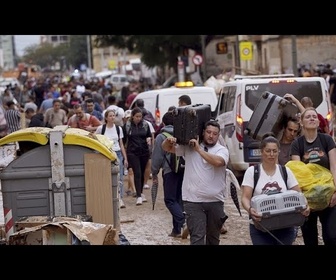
point(317, 148)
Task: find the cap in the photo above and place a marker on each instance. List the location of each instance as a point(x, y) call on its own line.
point(128, 113)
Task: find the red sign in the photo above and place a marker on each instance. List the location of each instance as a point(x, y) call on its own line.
point(197, 59)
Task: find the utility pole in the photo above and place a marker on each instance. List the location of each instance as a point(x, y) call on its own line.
point(88, 43)
point(294, 56)
point(204, 68)
point(237, 56)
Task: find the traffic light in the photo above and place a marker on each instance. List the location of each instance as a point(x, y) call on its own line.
point(221, 48)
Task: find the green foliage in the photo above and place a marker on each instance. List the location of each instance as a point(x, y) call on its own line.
point(155, 50)
point(46, 55)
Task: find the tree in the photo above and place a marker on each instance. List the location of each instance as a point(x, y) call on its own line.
point(46, 55)
point(42, 55)
point(155, 50)
point(77, 52)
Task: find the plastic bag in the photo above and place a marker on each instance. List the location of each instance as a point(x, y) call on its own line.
point(316, 183)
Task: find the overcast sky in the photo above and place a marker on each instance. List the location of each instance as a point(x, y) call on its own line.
point(23, 41)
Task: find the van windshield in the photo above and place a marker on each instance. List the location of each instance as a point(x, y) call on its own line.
point(312, 89)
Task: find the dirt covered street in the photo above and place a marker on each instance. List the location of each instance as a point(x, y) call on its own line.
point(143, 226)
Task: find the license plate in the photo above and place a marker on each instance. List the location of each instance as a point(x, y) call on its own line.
point(255, 152)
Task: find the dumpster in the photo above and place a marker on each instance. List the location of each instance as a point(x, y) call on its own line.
point(60, 172)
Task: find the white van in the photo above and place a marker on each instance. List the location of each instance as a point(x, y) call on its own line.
point(237, 101)
point(158, 101)
point(120, 80)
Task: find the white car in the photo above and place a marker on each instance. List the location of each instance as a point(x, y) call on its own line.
point(4, 82)
point(120, 80)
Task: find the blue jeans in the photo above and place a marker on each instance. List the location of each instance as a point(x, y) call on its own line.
point(172, 189)
point(204, 221)
point(285, 235)
point(121, 173)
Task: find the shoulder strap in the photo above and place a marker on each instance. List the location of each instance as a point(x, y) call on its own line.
point(167, 134)
point(118, 131)
point(127, 127)
point(145, 124)
point(256, 176)
point(103, 129)
point(284, 174)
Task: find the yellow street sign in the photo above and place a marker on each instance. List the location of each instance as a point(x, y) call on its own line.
point(245, 50)
point(112, 64)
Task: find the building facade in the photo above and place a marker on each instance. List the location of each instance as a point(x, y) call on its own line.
point(271, 54)
point(7, 52)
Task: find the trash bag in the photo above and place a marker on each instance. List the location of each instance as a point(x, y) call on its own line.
point(316, 183)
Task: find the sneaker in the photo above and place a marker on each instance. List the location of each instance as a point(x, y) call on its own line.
point(223, 229)
point(146, 186)
point(143, 198)
point(175, 235)
point(185, 232)
point(121, 204)
point(139, 201)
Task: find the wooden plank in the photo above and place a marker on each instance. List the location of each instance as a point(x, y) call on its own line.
point(23, 120)
point(55, 235)
point(98, 188)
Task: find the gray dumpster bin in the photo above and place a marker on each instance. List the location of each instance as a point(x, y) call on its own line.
point(49, 180)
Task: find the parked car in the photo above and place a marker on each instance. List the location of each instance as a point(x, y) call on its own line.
point(120, 80)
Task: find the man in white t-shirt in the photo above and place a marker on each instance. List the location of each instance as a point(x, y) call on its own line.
point(203, 187)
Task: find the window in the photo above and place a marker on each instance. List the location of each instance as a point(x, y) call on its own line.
point(312, 89)
point(228, 99)
point(64, 38)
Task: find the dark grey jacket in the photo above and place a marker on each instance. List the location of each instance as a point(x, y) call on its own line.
point(158, 154)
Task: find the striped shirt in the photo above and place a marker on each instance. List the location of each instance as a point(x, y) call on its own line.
point(13, 118)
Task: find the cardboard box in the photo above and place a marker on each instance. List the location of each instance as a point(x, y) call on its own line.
point(62, 231)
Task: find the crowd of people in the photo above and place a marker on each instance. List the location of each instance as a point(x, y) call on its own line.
point(195, 195)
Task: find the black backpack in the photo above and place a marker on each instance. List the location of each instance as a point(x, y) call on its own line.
point(283, 172)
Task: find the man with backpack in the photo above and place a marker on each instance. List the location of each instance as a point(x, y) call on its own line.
point(172, 173)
